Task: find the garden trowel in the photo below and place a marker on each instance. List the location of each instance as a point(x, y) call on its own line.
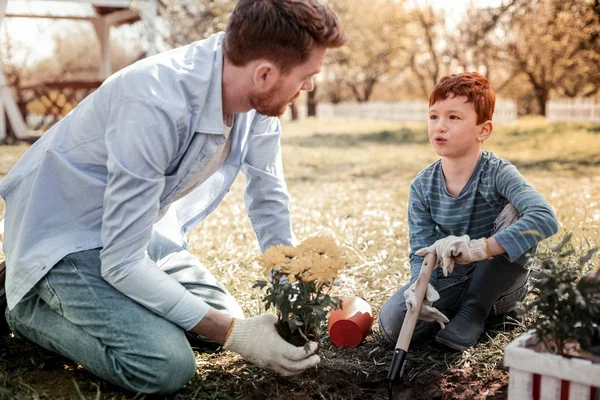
point(410, 320)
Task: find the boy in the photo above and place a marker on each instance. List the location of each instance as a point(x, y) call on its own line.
point(453, 206)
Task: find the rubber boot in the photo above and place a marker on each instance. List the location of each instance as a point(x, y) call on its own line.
point(491, 280)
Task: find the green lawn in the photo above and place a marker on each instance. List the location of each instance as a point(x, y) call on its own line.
point(350, 179)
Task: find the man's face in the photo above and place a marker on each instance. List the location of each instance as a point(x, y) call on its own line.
point(452, 127)
point(286, 89)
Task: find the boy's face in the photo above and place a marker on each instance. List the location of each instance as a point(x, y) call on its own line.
point(453, 129)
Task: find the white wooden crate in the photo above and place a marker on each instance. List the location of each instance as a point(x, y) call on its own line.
point(544, 376)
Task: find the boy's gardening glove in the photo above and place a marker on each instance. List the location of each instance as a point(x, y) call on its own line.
point(456, 249)
point(428, 312)
point(256, 339)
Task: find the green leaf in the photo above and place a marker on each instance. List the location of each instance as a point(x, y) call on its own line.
point(259, 284)
point(587, 257)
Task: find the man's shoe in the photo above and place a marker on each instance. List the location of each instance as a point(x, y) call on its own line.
point(4, 329)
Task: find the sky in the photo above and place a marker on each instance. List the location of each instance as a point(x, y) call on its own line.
point(35, 35)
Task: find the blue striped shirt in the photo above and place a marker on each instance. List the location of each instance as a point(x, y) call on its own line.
point(433, 213)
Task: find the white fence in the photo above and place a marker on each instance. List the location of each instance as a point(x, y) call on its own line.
point(506, 111)
point(573, 110)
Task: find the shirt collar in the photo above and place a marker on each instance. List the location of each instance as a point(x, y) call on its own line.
point(211, 114)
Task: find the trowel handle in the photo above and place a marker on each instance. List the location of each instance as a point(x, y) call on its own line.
point(410, 320)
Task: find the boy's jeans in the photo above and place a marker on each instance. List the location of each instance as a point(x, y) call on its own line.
point(74, 312)
point(452, 290)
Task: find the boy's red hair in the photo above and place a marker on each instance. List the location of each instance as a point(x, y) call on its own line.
point(474, 86)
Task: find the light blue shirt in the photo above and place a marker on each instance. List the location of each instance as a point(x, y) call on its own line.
point(109, 173)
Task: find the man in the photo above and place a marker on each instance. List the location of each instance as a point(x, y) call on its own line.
point(97, 209)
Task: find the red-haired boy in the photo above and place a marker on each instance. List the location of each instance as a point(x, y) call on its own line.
point(453, 208)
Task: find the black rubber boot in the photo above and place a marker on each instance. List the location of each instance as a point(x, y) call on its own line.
point(491, 280)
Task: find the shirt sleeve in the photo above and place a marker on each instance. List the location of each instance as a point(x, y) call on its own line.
point(537, 218)
point(141, 141)
point(421, 227)
point(266, 195)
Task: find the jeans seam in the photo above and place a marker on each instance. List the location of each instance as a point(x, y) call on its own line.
point(455, 283)
point(106, 311)
point(53, 294)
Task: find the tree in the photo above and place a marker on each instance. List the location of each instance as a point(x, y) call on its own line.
point(438, 49)
point(426, 53)
point(191, 20)
point(373, 54)
point(76, 55)
point(556, 44)
point(15, 60)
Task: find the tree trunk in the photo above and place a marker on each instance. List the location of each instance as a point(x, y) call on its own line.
point(294, 109)
point(541, 95)
point(311, 102)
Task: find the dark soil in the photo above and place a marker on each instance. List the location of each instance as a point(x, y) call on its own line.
point(344, 373)
point(296, 338)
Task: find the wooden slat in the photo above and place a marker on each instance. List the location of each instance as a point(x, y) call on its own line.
point(517, 355)
point(578, 391)
point(2, 125)
point(74, 84)
point(99, 3)
point(14, 115)
point(550, 388)
point(50, 16)
point(520, 385)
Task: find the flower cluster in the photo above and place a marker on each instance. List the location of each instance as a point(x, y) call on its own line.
point(300, 280)
point(315, 260)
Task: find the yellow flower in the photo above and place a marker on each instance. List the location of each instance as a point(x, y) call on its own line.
point(276, 257)
point(320, 245)
point(315, 260)
point(296, 267)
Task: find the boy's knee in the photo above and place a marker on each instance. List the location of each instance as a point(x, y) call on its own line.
point(391, 317)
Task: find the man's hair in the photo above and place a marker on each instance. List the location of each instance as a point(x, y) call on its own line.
point(474, 86)
point(281, 31)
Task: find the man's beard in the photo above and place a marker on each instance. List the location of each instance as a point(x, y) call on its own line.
point(264, 104)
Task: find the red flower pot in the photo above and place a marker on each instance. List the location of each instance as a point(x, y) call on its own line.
point(349, 325)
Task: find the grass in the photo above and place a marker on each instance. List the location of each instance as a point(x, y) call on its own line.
point(348, 178)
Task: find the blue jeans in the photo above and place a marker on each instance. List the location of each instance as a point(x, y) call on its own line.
point(452, 290)
point(74, 312)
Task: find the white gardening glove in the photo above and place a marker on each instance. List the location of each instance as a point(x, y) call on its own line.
point(428, 312)
point(456, 249)
point(256, 339)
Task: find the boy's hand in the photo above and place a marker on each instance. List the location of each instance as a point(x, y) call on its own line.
point(428, 312)
point(256, 339)
point(456, 249)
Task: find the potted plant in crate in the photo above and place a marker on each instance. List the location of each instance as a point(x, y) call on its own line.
point(300, 280)
point(560, 356)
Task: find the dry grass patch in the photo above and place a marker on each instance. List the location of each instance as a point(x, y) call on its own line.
point(350, 179)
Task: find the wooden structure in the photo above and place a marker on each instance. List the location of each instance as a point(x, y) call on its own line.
point(543, 376)
point(107, 13)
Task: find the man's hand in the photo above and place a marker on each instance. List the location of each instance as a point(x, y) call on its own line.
point(428, 312)
point(257, 340)
point(455, 249)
